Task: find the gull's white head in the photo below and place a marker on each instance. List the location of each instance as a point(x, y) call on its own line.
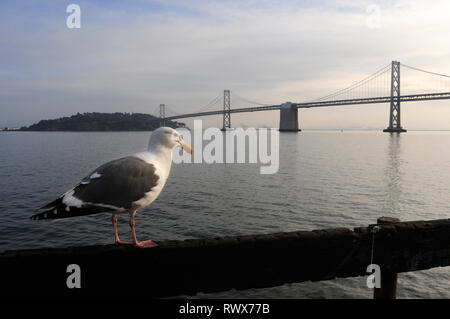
point(166, 137)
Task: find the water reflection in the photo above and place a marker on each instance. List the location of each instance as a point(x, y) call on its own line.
point(393, 176)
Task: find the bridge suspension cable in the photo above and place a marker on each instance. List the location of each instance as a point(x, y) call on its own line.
point(416, 80)
point(429, 72)
point(247, 100)
point(155, 111)
point(380, 87)
point(216, 102)
point(170, 112)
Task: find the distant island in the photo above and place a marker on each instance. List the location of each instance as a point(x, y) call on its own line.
point(102, 122)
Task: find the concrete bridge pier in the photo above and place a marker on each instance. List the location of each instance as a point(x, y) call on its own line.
point(289, 118)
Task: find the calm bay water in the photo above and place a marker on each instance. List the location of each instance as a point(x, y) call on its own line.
point(326, 179)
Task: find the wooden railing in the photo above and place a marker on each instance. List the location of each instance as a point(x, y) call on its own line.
point(220, 264)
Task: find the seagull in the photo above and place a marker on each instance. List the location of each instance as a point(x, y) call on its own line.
point(120, 186)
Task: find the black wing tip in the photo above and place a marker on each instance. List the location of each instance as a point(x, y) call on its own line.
point(44, 211)
point(63, 211)
point(53, 204)
point(48, 214)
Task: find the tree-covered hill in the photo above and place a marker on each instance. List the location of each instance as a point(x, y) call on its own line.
point(102, 122)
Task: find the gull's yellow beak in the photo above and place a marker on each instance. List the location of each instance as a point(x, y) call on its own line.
point(186, 147)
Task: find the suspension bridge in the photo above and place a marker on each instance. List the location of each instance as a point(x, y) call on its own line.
point(383, 86)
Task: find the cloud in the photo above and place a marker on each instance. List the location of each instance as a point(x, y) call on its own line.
point(134, 56)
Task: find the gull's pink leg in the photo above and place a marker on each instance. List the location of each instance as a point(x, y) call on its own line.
point(116, 235)
point(142, 244)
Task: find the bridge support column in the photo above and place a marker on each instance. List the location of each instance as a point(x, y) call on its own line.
point(162, 115)
point(394, 112)
point(226, 110)
point(289, 118)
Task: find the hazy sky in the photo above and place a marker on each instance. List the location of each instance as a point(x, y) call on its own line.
point(130, 56)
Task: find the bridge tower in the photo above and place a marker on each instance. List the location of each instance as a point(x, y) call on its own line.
point(226, 110)
point(289, 118)
point(394, 114)
point(162, 115)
